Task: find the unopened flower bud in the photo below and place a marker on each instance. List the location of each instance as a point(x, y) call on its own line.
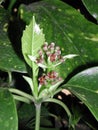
point(53, 57)
point(45, 46)
point(58, 52)
point(40, 60)
point(57, 48)
point(52, 44)
point(48, 53)
point(42, 80)
point(40, 52)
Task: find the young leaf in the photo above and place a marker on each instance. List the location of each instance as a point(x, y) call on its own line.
point(32, 40)
point(29, 80)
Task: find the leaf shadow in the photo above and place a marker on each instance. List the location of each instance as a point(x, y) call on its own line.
point(15, 31)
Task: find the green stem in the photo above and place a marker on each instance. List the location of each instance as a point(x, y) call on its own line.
point(38, 111)
point(9, 78)
point(35, 84)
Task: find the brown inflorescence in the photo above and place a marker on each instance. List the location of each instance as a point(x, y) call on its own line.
point(51, 78)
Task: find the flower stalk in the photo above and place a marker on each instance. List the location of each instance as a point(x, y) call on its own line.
point(38, 111)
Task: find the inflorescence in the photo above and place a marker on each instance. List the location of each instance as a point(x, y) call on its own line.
point(49, 78)
point(49, 54)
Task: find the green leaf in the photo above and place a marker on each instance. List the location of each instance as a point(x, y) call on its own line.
point(29, 80)
point(62, 25)
point(32, 40)
point(85, 86)
point(8, 114)
point(9, 61)
point(92, 7)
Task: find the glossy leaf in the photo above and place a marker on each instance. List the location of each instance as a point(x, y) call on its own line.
point(85, 86)
point(8, 114)
point(9, 61)
point(66, 27)
point(92, 7)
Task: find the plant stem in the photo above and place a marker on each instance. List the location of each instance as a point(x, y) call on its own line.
point(38, 111)
point(9, 78)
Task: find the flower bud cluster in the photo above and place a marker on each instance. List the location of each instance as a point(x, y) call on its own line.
point(49, 78)
point(49, 54)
